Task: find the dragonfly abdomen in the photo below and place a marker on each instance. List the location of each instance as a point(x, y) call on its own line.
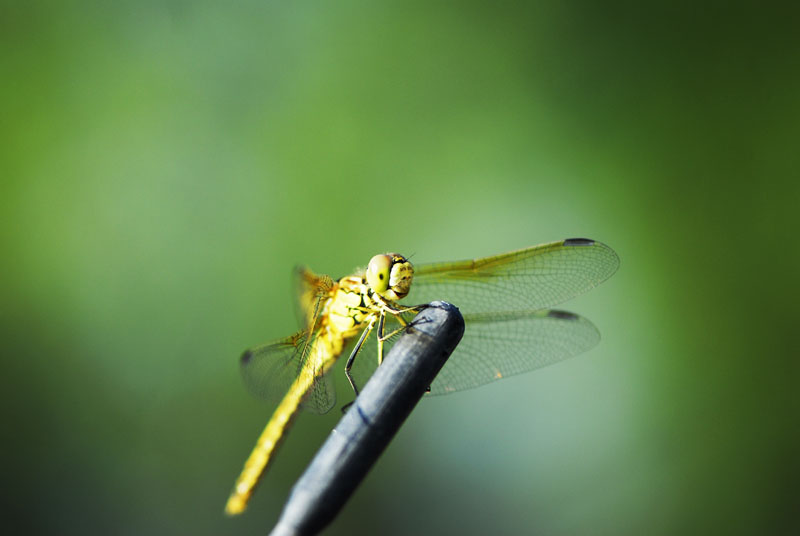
point(325, 349)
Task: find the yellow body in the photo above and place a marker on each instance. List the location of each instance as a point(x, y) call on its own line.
point(349, 307)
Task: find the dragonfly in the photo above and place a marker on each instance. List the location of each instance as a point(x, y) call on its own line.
point(510, 328)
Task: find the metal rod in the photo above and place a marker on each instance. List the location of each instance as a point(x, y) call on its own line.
point(372, 421)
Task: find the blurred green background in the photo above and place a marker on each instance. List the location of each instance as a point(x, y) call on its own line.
point(164, 165)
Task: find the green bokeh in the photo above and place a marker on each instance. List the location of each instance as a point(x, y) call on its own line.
point(164, 166)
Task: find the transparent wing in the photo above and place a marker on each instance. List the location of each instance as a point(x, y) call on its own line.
point(522, 280)
point(269, 371)
point(497, 345)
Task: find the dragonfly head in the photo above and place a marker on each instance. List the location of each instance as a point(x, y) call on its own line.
point(390, 276)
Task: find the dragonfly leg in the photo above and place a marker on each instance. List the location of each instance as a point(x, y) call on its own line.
point(403, 309)
point(387, 336)
point(380, 337)
point(354, 353)
point(404, 324)
point(383, 337)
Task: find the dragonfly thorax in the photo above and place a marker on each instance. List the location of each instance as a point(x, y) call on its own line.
point(389, 276)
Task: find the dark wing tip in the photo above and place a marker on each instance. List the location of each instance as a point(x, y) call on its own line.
point(246, 356)
point(578, 242)
point(562, 315)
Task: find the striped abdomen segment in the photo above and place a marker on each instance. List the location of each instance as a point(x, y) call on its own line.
point(323, 352)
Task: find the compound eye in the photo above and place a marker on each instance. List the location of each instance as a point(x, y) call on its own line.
point(378, 272)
